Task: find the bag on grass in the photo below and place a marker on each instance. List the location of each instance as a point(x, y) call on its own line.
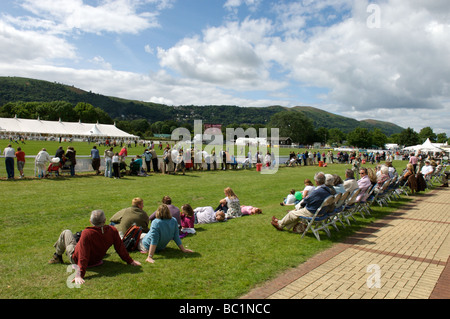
point(132, 237)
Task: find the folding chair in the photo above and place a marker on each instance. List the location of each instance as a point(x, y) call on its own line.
point(335, 215)
point(364, 202)
point(350, 206)
point(318, 221)
point(382, 193)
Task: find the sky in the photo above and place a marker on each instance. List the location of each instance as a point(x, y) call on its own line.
point(387, 60)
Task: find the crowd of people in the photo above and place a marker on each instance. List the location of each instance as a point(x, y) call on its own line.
point(168, 223)
point(306, 202)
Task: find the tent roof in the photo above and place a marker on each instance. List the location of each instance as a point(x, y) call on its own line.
point(427, 146)
point(59, 128)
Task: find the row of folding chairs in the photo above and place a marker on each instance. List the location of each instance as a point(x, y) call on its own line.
point(335, 209)
point(342, 207)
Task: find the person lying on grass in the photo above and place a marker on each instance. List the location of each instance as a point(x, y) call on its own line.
point(163, 229)
point(92, 246)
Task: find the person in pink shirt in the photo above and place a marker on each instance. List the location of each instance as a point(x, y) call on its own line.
point(187, 220)
point(413, 160)
point(250, 210)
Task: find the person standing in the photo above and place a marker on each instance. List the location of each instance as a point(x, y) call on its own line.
point(41, 160)
point(95, 155)
point(9, 154)
point(20, 155)
point(108, 162)
point(116, 165)
point(148, 157)
point(71, 158)
point(154, 160)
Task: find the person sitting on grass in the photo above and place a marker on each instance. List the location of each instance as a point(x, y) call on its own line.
point(127, 217)
point(92, 246)
point(290, 199)
point(230, 204)
point(187, 220)
point(163, 229)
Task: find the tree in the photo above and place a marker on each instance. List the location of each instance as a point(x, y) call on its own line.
point(360, 137)
point(408, 137)
point(336, 136)
point(427, 132)
point(379, 139)
point(322, 135)
point(442, 138)
point(295, 125)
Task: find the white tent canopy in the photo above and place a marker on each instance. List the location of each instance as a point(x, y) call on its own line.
point(29, 127)
point(427, 146)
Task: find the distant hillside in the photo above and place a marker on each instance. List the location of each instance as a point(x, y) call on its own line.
point(14, 89)
point(328, 120)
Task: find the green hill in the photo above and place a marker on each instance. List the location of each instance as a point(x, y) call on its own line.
point(15, 89)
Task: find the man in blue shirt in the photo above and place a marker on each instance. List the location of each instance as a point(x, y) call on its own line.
point(95, 155)
point(309, 204)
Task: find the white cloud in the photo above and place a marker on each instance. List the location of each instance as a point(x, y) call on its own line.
point(117, 16)
point(361, 72)
point(28, 45)
point(227, 55)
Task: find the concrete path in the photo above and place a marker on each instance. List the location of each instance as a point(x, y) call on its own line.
point(403, 256)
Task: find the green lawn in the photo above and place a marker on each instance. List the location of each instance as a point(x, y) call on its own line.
point(230, 258)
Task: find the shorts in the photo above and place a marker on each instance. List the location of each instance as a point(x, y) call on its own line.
point(20, 165)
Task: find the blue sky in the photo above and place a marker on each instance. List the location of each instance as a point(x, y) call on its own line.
point(385, 60)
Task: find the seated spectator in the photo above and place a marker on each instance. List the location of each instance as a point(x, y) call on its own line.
point(329, 181)
point(364, 184)
point(163, 229)
point(338, 184)
point(230, 204)
point(174, 211)
point(350, 183)
point(207, 215)
point(427, 170)
point(372, 175)
point(187, 220)
point(290, 199)
point(383, 176)
point(127, 217)
point(309, 187)
point(92, 246)
point(309, 207)
point(408, 172)
point(250, 210)
point(391, 169)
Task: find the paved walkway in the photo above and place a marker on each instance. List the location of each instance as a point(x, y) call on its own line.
point(403, 256)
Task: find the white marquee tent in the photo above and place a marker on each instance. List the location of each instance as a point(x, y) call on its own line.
point(427, 146)
point(39, 128)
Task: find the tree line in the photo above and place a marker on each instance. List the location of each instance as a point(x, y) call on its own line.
point(294, 125)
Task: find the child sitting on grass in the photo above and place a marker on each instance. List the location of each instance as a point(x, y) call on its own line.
point(187, 220)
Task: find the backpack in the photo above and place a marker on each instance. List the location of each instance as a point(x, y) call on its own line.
point(132, 237)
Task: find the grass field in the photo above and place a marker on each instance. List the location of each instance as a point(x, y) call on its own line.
point(230, 258)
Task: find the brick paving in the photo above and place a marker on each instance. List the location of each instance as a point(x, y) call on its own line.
point(406, 255)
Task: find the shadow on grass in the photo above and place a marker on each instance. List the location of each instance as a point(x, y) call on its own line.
point(112, 269)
